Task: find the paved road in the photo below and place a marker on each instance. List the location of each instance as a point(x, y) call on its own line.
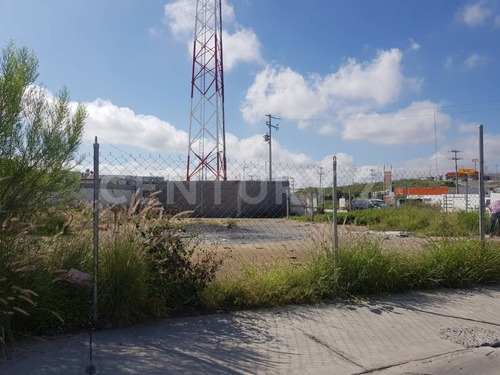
point(443, 332)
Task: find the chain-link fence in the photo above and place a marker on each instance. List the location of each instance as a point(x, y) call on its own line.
point(158, 240)
point(251, 220)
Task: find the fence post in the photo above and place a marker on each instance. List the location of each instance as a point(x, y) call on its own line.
point(312, 204)
point(466, 192)
point(96, 227)
point(288, 201)
point(481, 184)
point(335, 226)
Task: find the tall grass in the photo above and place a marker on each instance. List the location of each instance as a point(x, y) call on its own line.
point(24, 282)
point(14, 301)
point(123, 278)
point(365, 269)
point(148, 270)
point(282, 284)
point(422, 219)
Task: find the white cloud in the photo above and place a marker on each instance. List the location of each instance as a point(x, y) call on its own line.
point(282, 91)
point(255, 149)
point(380, 80)
point(120, 125)
point(343, 161)
point(240, 46)
point(179, 16)
point(354, 87)
point(413, 124)
point(468, 143)
point(467, 128)
point(449, 63)
point(497, 21)
point(474, 60)
point(491, 147)
point(153, 32)
point(422, 167)
point(474, 14)
point(327, 129)
point(414, 45)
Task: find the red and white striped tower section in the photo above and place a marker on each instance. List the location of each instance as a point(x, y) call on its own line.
point(207, 139)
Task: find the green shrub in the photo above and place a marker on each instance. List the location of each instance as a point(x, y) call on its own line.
point(123, 282)
point(51, 223)
point(73, 303)
point(36, 265)
point(24, 281)
point(177, 269)
point(39, 139)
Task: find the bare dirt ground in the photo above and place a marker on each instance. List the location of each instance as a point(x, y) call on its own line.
point(264, 242)
point(260, 243)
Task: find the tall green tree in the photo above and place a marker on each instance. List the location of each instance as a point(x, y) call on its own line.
point(39, 138)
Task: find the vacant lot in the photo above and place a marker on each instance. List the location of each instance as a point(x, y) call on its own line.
point(263, 242)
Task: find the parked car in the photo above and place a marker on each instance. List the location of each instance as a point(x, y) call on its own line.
point(363, 204)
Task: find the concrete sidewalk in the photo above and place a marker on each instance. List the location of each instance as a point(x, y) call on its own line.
point(433, 333)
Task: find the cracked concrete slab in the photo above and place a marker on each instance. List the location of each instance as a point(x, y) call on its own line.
point(483, 361)
point(472, 337)
point(397, 333)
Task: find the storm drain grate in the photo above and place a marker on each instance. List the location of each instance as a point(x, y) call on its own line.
point(472, 337)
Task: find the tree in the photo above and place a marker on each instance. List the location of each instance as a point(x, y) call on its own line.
point(39, 138)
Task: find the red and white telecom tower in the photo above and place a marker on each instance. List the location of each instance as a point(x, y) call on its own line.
point(207, 140)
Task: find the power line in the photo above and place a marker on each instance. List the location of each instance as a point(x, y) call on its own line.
point(388, 115)
point(382, 116)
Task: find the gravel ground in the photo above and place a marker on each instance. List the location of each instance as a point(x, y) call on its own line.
point(234, 232)
point(264, 242)
point(472, 337)
point(240, 232)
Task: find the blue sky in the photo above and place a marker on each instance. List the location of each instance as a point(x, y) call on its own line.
point(357, 79)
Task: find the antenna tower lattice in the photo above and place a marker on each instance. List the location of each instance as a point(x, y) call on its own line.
point(207, 138)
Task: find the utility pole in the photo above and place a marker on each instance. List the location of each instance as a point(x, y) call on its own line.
point(268, 139)
point(436, 144)
point(481, 185)
point(456, 159)
point(371, 186)
point(320, 198)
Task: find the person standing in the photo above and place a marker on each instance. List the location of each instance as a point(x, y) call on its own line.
point(494, 208)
